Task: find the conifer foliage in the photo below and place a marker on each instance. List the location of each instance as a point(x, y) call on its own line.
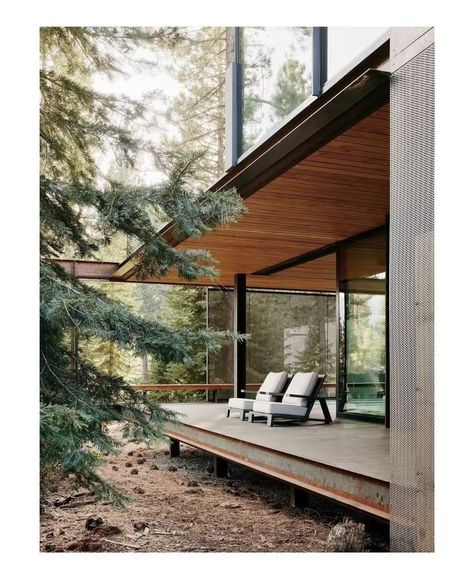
point(78, 399)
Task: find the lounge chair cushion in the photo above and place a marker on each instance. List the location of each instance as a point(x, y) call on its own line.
point(278, 408)
point(303, 383)
point(241, 403)
point(274, 382)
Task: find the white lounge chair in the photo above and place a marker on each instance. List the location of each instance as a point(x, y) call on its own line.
point(273, 385)
point(297, 401)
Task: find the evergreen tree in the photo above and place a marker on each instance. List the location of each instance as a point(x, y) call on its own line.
point(365, 338)
point(185, 309)
point(78, 399)
point(198, 112)
point(221, 363)
point(319, 354)
point(292, 88)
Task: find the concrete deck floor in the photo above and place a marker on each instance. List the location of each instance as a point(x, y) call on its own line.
point(354, 446)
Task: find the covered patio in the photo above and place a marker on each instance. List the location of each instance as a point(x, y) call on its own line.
point(319, 188)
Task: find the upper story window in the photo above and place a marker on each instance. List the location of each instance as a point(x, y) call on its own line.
point(276, 77)
point(274, 71)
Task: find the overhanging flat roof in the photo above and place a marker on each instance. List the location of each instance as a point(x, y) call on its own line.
point(321, 179)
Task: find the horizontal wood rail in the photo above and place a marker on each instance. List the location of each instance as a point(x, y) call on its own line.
point(171, 387)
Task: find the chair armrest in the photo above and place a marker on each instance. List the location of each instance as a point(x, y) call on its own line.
point(306, 397)
point(280, 395)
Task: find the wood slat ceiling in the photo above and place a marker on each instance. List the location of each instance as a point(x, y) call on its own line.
point(336, 192)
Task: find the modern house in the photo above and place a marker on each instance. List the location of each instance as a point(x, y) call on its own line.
point(337, 173)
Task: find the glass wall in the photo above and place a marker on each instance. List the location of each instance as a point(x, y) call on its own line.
point(361, 271)
point(279, 68)
point(220, 316)
point(346, 43)
point(277, 77)
point(288, 331)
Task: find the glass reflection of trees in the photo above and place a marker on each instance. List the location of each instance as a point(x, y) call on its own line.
point(276, 76)
point(289, 331)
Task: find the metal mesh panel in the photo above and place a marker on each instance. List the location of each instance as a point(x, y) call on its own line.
point(411, 301)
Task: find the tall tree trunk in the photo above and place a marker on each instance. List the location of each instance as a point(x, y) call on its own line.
point(145, 369)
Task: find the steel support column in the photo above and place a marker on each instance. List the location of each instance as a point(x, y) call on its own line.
point(299, 499)
point(174, 448)
point(240, 326)
point(221, 467)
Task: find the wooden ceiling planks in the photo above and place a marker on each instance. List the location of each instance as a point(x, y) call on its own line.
point(336, 192)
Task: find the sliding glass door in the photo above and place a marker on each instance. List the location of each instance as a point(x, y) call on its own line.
point(362, 316)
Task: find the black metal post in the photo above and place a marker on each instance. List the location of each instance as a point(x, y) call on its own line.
point(233, 97)
point(320, 59)
point(240, 326)
point(298, 498)
point(174, 448)
point(221, 467)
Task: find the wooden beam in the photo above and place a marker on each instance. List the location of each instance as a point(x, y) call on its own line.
point(83, 269)
point(317, 253)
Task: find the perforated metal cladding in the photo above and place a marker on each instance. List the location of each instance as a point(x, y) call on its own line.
point(411, 305)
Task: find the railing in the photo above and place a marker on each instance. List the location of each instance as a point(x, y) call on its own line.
point(171, 387)
point(215, 387)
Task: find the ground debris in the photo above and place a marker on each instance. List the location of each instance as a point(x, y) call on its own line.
point(230, 505)
point(107, 531)
point(167, 519)
point(347, 536)
point(92, 523)
point(128, 545)
point(194, 491)
point(85, 546)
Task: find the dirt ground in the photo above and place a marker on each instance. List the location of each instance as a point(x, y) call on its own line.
point(180, 506)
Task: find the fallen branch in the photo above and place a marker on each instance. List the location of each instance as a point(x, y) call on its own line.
point(122, 544)
point(74, 505)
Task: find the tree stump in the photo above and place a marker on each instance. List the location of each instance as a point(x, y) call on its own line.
point(348, 537)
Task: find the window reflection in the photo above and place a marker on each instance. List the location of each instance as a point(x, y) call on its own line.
point(361, 270)
point(289, 331)
point(277, 65)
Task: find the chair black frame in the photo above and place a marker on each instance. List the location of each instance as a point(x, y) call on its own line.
point(311, 398)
